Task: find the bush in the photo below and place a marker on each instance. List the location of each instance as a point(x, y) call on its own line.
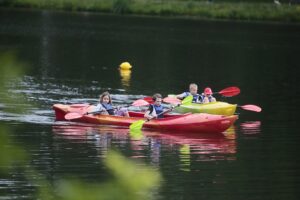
point(121, 6)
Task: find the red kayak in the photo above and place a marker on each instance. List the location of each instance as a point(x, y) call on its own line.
point(201, 123)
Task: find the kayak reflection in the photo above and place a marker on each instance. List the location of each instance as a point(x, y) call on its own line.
point(152, 145)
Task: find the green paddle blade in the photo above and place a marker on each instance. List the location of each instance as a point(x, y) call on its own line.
point(137, 125)
point(187, 100)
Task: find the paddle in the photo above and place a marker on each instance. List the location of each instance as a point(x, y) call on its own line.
point(172, 100)
point(169, 99)
point(148, 99)
point(137, 125)
point(140, 102)
point(250, 107)
point(70, 116)
point(229, 92)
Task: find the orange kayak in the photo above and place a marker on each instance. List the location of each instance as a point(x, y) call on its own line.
point(200, 122)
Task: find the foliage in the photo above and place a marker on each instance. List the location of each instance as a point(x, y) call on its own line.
point(10, 71)
point(216, 9)
point(121, 6)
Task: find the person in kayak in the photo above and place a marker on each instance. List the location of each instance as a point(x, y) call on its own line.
point(206, 96)
point(193, 90)
point(156, 109)
point(104, 106)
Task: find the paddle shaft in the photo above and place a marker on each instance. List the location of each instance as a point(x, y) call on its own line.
point(166, 111)
point(96, 112)
point(139, 124)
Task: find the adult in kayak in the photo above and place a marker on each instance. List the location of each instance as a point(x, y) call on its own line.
point(156, 109)
point(104, 106)
point(193, 90)
point(206, 96)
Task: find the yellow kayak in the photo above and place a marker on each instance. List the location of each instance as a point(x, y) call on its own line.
point(218, 108)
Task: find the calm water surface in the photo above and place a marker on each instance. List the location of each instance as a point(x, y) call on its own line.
point(72, 58)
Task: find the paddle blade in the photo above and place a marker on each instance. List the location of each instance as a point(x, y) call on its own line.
point(136, 134)
point(137, 125)
point(172, 95)
point(71, 116)
point(148, 99)
point(140, 102)
point(230, 91)
point(172, 100)
point(253, 108)
point(187, 100)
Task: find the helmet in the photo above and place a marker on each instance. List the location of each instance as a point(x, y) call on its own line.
point(207, 91)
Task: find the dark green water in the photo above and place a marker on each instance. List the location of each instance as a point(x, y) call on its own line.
point(72, 58)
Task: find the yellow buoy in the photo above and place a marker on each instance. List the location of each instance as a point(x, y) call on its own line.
point(125, 66)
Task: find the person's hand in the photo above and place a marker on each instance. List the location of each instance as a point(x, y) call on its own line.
point(150, 117)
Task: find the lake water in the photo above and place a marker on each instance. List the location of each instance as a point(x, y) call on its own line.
point(72, 58)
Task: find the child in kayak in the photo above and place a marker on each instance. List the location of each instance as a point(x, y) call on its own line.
point(206, 96)
point(155, 109)
point(193, 90)
point(105, 106)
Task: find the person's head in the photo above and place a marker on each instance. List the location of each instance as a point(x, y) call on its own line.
point(105, 98)
point(157, 98)
point(193, 88)
point(207, 91)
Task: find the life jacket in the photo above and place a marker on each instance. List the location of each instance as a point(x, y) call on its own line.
point(108, 108)
point(202, 96)
point(158, 110)
point(196, 97)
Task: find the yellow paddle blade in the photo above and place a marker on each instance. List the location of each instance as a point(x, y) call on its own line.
point(137, 125)
point(187, 100)
point(136, 134)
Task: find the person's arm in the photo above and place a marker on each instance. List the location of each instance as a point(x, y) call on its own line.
point(99, 110)
point(168, 109)
point(150, 113)
point(181, 96)
point(213, 99)
point(104, 112)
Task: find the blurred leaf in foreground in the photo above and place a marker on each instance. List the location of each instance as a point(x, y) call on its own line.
point(11, 71)
point(10, 155)
point(131, 181)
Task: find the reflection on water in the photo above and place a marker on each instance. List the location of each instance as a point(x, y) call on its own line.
point(125, 77)
point(153, 145)
point(185, 157)
point(41, 94)
point(250, 127)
